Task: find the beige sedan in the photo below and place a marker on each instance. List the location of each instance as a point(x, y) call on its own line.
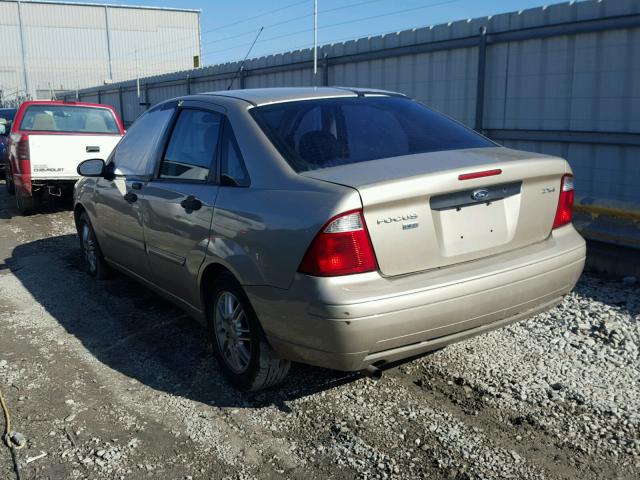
point(339, 227)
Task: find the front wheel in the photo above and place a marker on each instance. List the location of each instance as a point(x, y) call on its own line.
point(94, 262)
point(246, 359)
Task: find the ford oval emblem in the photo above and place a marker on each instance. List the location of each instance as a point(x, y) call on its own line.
point(480, 194)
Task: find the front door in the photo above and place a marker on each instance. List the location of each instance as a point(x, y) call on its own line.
point(178, 203)
point(118, 219)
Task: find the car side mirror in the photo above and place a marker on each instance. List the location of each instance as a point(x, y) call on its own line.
point(94, 167)
point(3, 129)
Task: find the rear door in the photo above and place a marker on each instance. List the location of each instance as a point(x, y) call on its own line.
point(118, 201)
point(178, 203)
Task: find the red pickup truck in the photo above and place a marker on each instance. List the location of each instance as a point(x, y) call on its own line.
point(48, 140)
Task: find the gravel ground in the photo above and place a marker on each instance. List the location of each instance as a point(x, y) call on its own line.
point(110, 381)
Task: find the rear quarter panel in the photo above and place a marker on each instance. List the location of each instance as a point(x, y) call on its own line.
point(261, 235)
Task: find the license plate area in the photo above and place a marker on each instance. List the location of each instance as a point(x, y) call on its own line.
point(472, 228)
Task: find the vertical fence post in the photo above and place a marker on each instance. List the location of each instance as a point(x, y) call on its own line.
point(146, 96)
point(482, 64)
point(99, 96)
point(121, 102)
point(188, 82)
point(243, 75)
point(325, 70)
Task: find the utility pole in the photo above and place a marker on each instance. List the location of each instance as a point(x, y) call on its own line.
point(24, 61)
point(315, 42)
point(106, 24)
point(137, 75)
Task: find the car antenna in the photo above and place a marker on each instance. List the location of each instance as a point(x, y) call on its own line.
point(245, 59)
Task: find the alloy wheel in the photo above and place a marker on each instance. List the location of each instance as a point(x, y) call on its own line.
point(232, 332)
point(89, 248)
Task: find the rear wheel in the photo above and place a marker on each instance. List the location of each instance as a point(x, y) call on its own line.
point(26, 204)
point(94, 263)
point(239, 344)
point(9, 185)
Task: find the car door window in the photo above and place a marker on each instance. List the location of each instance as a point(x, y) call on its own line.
point(231, 162)
point(135, 153)
point(192, 146)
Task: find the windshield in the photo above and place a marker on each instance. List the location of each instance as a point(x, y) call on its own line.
point(313, 134)
point(71, 119)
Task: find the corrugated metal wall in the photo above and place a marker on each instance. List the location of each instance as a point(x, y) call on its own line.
point(69, 46)
point(11, 74)
point(563, 80)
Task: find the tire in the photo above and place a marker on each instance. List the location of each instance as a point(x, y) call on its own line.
point(94, 263)
point(258, 367)
point(26, 204)
point(9, 185)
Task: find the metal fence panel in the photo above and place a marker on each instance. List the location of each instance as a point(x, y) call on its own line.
point(562, 80)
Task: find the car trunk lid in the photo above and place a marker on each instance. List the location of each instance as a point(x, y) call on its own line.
point(422, 213)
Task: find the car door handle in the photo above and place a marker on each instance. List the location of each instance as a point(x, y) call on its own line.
point(191, 204)
point(92, 149)
point(130, 197)
point(136, 185)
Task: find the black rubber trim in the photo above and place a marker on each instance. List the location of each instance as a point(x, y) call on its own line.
point(473, 196)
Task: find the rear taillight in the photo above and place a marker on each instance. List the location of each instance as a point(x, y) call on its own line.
point(564, 213)
point(342, 247)
point(22, 147)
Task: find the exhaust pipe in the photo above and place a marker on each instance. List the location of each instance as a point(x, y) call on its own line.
point(372, 371)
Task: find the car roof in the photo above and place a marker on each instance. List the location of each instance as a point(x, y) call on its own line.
point(65, 103)
point(263, 96)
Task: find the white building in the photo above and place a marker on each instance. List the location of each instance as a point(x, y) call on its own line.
point(48, 47)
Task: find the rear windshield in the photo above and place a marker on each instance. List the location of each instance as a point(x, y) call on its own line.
point(71, 119)
point(313, 134)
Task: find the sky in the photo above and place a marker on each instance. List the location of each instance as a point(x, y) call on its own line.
point(228, 27)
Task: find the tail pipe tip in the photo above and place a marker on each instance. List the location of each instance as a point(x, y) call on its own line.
point(372, 371)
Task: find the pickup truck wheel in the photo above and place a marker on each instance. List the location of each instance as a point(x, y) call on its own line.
point(8, 183)
point(94, 263)
point(246, 359)
point(26, 204)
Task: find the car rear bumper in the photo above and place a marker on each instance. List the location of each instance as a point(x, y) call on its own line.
point(348, 323)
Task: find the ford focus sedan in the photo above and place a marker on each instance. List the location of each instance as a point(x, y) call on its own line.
point(338, 227)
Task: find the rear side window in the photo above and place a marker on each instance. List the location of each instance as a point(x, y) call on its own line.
point(192, 147)
point(135, 154)
point(231, 161)
point(313, 134)
point(69, 119)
